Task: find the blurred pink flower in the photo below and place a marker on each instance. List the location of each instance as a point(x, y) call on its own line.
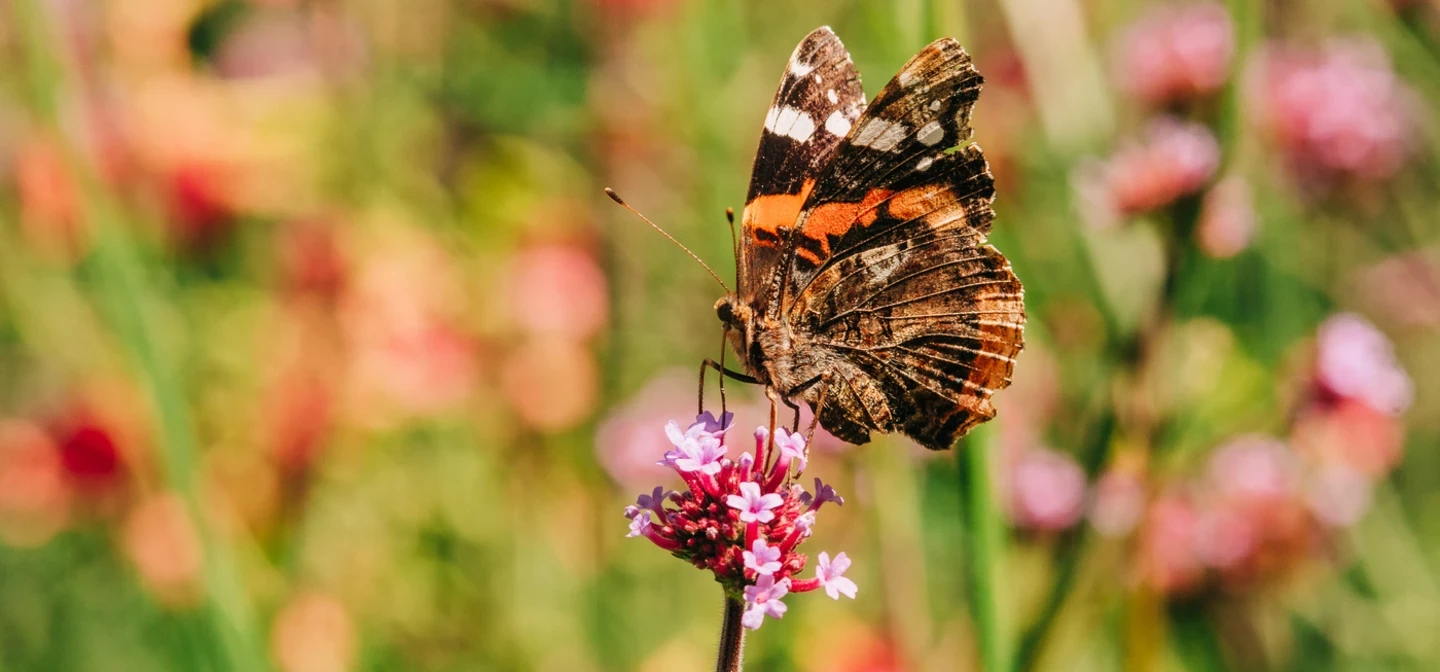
point(1046, 490)
point(49, 202)
point(1349, 434)
point(301, 409)
point(1224, 537)
point(1254, 469)
point(161, 541)
point(553, 384)
point(1405, 287)
point(1338, 495)
point(626, 442)
point(558, 289)
point(407, 351)
point(311, 260)
point(1354, 360)
point(1227, 219)
point(313, 633)
point(1118, 502)
point(273, 43)
point(34, 495)
point(1167, 559)
point(1174, 159)
point(1176, 52)
point(1338, 111)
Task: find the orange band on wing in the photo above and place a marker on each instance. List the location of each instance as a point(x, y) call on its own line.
point(773, 213)
point(835, 219)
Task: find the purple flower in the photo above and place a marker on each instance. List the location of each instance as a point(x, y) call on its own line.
point(825, 493)
point(640, 525)
point(1356, 361)
point(764, 559)
point(714, 427)
point(754, 507)
point(792, 446)
point(764, 598)
point(654, 501)
point(831, 576)
point(702, 455)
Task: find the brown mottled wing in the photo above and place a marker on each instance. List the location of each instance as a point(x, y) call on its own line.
point(891, 283)
point(818, 101)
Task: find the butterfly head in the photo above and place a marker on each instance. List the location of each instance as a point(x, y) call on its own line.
point(737, 317)
point(733, 313)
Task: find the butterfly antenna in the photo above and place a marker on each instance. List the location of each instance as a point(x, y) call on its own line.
point(734, 245)
point(616, 197)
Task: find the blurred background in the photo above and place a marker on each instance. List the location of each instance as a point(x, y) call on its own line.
point(322, 350)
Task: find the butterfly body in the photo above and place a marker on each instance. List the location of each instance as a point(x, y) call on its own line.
point(866, 287)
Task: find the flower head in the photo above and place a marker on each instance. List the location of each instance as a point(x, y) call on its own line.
point(742, 520)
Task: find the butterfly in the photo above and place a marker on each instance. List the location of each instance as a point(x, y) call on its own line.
point(865, 286)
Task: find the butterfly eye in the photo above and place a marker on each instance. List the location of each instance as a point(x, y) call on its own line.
point(726, 312)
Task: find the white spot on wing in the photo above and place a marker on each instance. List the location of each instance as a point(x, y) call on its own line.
point(930, 133)
point(891, 138)
point(790, 122)
point(870, 131)
point(800, 68)
point(924, 163)
point(880, 135)
point(818, 79)
point(836, 124)
point(830, 96)
point(934, 106)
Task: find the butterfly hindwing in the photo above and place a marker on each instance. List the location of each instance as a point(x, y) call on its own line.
point(888, 281)
point(817, 103)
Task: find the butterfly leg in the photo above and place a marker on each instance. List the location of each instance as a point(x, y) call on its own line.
point(724, 373)
point(823, 380)
point(770, 440)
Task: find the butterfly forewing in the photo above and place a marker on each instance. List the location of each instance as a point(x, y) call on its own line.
point(887, 282)
point(818, 102)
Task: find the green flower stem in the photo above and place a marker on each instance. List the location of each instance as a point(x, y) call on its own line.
point(129, 303)
point(732, 637)
point(987, 551)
